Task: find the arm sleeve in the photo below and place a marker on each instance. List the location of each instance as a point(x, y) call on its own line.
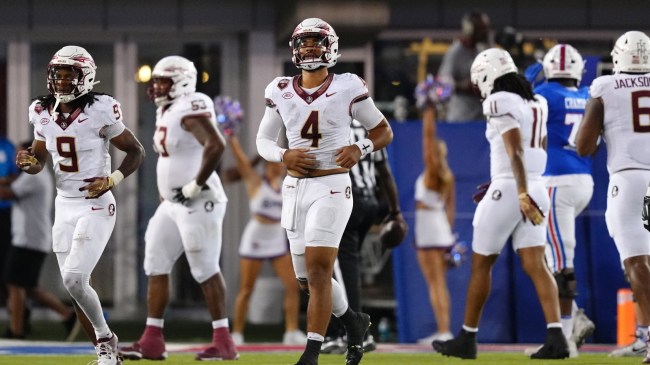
point(267, 136)
point(366, 112)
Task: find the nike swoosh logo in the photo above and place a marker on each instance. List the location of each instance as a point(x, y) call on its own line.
point(82, 120)
point(94, 208)
point(328, 95)
point(334, 192)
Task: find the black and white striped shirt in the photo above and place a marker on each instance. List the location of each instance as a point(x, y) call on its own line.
point(363, 173)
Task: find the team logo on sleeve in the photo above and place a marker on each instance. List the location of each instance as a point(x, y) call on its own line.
point(614, 191)
point(111, 209)
point(496, 195)
point(283, 83)
point(44, 121)
point(287, 95)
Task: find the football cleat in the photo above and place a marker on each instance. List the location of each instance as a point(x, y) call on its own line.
point(223, 347)
point(555, 346)
point(150, 346)
point(637, 348)
point(464, 346)
point(583, 327)
point(106, 349)
point(369, 344)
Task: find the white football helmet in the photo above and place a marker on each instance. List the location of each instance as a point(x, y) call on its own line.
point(563, 62)
point(488, 66)
point(182, 73)
point(631, 53)
point(328, 43)
point(82, 63)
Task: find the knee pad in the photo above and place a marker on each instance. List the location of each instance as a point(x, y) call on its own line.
point(303, 284)
point(566, 283)
point(75, 283)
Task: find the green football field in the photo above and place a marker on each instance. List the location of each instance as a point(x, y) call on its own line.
point(290, 358)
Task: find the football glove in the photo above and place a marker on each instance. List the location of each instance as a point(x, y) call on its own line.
point(480, 192)
point(645, 214)
point(186, 193)
point(530, 209)
point(26, 159)
point(97, 186)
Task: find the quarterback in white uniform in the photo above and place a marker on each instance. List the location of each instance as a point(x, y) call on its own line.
point(193, 204)
point(75, 126)
point(618, 108)
point(317, 109)
point(515, 202)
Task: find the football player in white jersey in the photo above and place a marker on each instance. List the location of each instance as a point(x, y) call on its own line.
point(76, 126)
point(516, 130)
point(190, 216)
point(618, 109)
point(317, 108)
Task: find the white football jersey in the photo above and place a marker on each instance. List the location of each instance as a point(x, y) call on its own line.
point(627, 119)
point(179, 153)
point(320, 119)
point(505, 111)
point(76, 143)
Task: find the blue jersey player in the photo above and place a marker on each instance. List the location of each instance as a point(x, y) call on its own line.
point(568, 180)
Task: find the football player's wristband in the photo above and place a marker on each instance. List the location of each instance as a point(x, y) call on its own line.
point(366, 146)
point(117, 176)
point(282, 151)
point(647, 193)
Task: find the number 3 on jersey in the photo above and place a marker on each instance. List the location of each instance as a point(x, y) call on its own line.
point(310, 128)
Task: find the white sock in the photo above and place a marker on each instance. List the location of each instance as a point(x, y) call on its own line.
point(220, 323)
point(155, 322)
point(470, 329)
point(315, 336)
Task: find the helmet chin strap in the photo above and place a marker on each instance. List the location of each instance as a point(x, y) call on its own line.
point(57, 98)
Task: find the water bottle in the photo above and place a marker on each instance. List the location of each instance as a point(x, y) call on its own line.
point(384, 330)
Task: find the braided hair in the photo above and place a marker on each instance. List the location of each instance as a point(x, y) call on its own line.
point(516, 84)
point(82, 102)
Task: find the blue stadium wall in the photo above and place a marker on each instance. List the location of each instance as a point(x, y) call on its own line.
point(512, 312)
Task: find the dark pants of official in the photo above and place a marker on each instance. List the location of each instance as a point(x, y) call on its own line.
point(363, 216)
point(5, 243)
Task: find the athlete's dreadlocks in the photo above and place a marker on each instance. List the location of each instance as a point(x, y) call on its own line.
point(516, 84)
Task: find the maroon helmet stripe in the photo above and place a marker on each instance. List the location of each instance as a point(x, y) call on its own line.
point(562, 57)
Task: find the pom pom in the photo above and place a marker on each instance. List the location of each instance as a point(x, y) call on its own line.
point(432, 90)
point(229, 114)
